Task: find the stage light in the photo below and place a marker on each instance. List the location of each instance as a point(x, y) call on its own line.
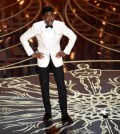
point(98, 4)
point(95, 1)
point(99, 53)
point(104, 23)
point(56, 11)
point(101, 29)
point(65, 69)
point(114, 9)
point(74, 10)
point(31, 40)
point(101, 42)
point(101, 35)
point(21, 2)
point(72, 55)
point(27, 16)
point(4, 26)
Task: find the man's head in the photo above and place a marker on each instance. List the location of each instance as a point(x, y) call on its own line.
point(48, 15)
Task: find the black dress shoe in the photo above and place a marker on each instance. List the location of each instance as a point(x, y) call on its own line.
point(67, 119)
point(46, 117)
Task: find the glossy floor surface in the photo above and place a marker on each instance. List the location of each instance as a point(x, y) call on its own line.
point(93, 103)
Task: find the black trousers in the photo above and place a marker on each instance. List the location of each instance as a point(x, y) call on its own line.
point(44, 82)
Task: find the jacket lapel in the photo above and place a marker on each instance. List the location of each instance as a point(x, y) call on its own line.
point(47, 42)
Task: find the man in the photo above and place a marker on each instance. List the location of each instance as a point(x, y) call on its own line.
point(48, 33)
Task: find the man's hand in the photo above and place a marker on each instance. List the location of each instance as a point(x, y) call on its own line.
point(60, 54)
point(38, 55)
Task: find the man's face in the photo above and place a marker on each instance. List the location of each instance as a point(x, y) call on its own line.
point(49, 17)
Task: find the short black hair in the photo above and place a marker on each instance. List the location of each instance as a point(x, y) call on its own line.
point(47, 9)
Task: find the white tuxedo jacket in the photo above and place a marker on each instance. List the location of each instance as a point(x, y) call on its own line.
point(48, 44)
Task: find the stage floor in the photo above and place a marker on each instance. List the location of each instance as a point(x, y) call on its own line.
point(91, 94)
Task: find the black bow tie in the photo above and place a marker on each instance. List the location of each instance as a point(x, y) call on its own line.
point(49, 26)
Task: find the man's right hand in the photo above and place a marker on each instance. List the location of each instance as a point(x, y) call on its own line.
point(38, 55)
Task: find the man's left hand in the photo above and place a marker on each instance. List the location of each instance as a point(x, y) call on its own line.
point(60, 54)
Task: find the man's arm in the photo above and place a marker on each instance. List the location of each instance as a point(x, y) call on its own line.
point(24, 40)
point(72, 38)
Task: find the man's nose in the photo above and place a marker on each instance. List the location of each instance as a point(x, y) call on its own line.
point(51, 17)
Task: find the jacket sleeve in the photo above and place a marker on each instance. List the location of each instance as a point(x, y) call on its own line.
point(72, 38)
point(24, 40)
